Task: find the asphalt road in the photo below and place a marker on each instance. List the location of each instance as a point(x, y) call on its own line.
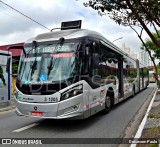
point(112, 125)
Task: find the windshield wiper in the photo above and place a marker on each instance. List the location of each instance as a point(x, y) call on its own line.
point(34, 65)
point(50, 66)
point(33, 68)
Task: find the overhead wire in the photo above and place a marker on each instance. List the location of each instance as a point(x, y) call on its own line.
point(25, 15)
point(14, 17)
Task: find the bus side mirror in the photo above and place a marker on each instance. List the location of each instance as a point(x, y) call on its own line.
point(8, 64)
point(96, 60)
point(88, 57)
point(87, 50)
point(89, 47)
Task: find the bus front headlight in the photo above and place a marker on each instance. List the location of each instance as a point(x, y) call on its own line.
point(72, 92)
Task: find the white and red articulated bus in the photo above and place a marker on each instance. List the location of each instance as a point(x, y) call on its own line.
point(74, 73)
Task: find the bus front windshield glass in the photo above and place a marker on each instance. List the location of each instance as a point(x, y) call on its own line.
point(50, 66)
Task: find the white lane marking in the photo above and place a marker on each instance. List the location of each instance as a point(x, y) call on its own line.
point(26, 127)
point(140, 129)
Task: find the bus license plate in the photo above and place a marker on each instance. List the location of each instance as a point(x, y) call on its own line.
point(39, 114)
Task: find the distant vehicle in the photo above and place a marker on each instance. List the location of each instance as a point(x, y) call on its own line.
point(152, 78)
point(74, 73)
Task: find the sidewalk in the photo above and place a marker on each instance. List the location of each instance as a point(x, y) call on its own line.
point(152, 126)
point(6, 106)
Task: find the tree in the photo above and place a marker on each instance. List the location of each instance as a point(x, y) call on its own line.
point(131, 13)
point(149, 43)
point(158, 67)
point(14, 68)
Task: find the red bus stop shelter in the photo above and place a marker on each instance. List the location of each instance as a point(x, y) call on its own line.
point(16, 53)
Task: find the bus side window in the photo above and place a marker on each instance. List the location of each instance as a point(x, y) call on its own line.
point(108, 69)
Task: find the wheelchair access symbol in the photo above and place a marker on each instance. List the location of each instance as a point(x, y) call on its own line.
point(43, 77)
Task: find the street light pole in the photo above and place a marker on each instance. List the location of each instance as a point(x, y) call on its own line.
point(117, 39)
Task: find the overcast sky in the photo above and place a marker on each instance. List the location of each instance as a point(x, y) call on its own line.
point(15, 28)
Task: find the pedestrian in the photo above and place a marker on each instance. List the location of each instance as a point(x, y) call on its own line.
point(1, 76)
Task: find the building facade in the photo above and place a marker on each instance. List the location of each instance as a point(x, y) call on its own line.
point(145, 59)
point(129, 51)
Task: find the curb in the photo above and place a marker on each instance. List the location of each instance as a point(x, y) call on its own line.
point(7, 108)
point(144, 120)
point(134, 124)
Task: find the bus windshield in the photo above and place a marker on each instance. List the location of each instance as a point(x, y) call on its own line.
point(46, 66)
point(151, 75)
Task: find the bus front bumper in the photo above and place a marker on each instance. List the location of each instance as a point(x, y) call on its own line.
point(70, 109)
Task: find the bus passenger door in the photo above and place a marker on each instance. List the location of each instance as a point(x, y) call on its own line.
point(130, 77)
point(94, 78)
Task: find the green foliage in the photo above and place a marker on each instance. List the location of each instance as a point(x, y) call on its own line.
point(149, 43)
point(125, 12)
point(133, 13)
point(158, 68)
point(153, 145)
point(130, 13)
point(155, 130)
point(14, 68)
point(153, 116)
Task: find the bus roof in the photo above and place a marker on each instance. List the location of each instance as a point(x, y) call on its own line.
point(67, 34)
point(72, 34)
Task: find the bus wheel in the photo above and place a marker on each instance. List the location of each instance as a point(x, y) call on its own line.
point(107, 104)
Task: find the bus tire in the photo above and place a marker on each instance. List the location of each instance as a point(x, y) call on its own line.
point(108, 103)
